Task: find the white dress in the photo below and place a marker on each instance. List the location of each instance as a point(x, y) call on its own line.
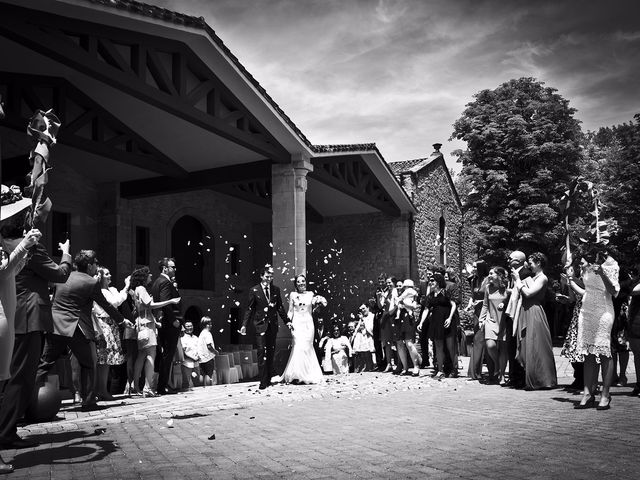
point(596, 314)
point(303, 363)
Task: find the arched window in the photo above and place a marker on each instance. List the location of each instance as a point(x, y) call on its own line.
point(188, 248)
point(442, 233)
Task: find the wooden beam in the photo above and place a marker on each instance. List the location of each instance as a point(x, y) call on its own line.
point(20, 27)
point(341, 184)
point(196, 180)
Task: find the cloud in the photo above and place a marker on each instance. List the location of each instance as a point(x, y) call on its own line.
point(400, 72)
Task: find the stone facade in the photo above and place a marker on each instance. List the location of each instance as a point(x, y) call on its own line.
point(440, 236)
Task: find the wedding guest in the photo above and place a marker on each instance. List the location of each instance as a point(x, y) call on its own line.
point(619, 340)
point(129, 342)
point(384, 300)
point(32, 320)
point(519, 271)
point(633, 329)
point(423, 337)
point(191, 363)
point(206, 350)
point(73, 324)
point(108, 348)
point(536, 349)
point(439, 309)
point(363, 346)
point(381, 360)
point(406, 304)
point(492, 321)
point(478, 284)
point(600, 275)
point(147, 327)
point(12, 261)
point(574, 294)
point(337, 351)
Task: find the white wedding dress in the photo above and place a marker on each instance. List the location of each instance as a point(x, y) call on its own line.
point(303, 363)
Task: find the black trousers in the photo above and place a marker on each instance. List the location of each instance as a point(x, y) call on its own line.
point(168, 343)
point(381, 362)
point(266, 350)
point(85, 352)
point(18, 390)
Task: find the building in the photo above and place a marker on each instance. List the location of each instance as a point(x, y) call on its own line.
point(169, 147)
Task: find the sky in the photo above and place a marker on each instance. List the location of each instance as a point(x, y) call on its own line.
point(399, 73)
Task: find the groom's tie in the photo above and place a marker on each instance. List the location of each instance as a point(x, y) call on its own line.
point(266, 293)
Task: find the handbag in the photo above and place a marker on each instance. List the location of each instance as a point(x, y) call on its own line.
point(144, 334)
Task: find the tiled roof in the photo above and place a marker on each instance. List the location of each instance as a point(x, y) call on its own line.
point(353, 147)
point(198, 22)
point(406, 166)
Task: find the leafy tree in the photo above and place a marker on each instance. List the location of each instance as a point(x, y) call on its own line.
point(612, 162)
point(523, 151)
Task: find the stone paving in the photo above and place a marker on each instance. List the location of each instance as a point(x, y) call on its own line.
point(370, 425)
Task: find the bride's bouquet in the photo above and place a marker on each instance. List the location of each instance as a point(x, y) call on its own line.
point(319, 300)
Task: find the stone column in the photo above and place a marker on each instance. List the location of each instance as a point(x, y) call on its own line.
point(289, 236)
point(289, 233)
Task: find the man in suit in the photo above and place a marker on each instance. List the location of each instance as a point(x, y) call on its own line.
point(33, 318)
point(73, 324)
point(516, 371)
point(163, 289)
point(265, 304)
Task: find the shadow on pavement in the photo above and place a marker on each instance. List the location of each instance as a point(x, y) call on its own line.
point(76, 447)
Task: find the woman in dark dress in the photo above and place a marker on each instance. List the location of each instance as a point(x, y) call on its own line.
point(536, 350)
point(440, 308)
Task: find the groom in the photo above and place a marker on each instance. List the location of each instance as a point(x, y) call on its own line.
point(265, 304)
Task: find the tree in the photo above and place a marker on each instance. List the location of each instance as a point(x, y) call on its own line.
point(612, 162)
point(523, 151)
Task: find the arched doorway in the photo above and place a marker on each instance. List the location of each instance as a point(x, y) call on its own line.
point(188, 249)
point(193, 314)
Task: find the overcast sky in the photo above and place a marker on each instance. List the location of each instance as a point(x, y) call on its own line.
point(399, 72)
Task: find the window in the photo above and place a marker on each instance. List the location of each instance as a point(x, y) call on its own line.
point(443, 241)
point(234, 258)
point(142, 246)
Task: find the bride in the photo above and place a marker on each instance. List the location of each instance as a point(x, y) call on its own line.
point(303, 366)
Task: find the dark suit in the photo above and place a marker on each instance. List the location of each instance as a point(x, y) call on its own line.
point(162, 290)
point(264, 315)
point(73, 328)
point(33, 318)
point(516, 371)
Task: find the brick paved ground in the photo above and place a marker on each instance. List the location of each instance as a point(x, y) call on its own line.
point(359, 426)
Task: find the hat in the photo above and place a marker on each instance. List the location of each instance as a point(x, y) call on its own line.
point(12, 202)
point(408, 283)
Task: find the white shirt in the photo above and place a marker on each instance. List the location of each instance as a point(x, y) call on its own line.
point(205, 339)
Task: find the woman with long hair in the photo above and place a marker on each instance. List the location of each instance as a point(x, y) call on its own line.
point(536, 349)
point(440, 309)
point(385, 301)
point(595, 321)
point(494, 303)
point(147, 328)
point(478, 284)
point(108, 348)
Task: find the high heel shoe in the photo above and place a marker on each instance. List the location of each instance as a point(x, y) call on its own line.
point(5, 467)
point(606, 406)
point(148, 393)
point(590, 403)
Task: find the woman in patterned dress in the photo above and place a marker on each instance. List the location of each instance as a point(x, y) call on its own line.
point(570, 347)
point(108, 347)
point(594, 324)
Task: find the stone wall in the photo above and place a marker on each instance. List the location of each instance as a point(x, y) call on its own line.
point(345, 255)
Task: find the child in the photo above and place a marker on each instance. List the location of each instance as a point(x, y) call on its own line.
point(207, 351)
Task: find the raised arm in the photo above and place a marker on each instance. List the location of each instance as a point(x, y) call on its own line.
point(530, 288)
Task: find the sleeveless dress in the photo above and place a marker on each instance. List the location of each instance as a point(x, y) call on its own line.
point(536, 349)
point(492, 314)
point(303, 363)
point(597, 314)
